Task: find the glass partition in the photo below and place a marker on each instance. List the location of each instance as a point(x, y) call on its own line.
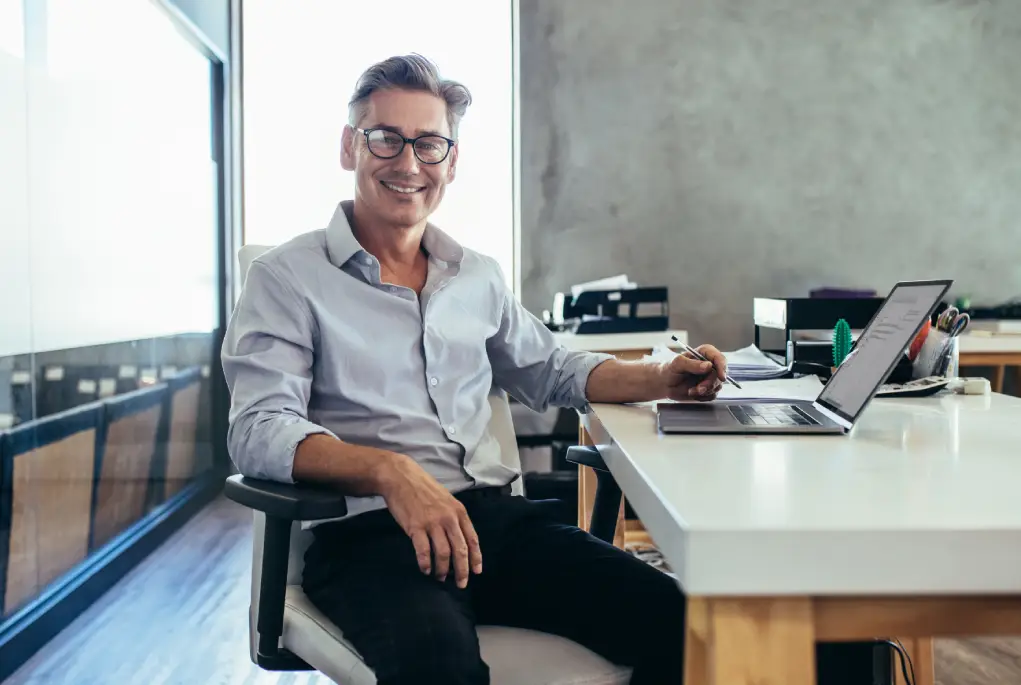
point(108, 254)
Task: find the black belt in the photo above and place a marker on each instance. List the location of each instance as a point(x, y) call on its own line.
point(475, 494)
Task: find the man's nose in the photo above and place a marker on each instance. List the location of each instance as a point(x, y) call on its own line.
point(407, 162)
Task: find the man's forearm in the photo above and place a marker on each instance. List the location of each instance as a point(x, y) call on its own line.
point(631, 381)
point(354, 469)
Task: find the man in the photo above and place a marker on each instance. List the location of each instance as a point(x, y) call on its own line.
point(362, 356)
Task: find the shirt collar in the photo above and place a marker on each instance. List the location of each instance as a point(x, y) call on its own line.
point(342, 244)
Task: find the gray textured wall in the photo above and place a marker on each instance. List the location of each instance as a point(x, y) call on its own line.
point(736, 148)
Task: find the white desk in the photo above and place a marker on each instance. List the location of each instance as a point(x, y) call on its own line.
point(619, 342)
point(625, 346)
point(909, 527)
point(972, 343)
point(997, 351)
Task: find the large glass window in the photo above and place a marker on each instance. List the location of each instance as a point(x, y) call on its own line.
point(108, 254)
point(301, 61)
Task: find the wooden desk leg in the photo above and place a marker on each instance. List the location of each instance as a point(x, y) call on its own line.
point(750, 641)
point(998, 374)
point(697, 642)
point(922, 658)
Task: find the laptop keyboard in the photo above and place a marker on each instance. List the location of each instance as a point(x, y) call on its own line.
point(772, 415)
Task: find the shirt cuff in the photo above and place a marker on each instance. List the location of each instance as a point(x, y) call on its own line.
point(279, 462)
point(589, 362)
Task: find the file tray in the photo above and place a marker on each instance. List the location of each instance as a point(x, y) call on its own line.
point(629, 310)
point(776, 318)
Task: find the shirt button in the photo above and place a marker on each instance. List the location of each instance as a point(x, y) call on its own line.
point(452, 430)
point(434, 381)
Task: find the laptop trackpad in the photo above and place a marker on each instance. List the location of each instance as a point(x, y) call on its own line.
point(694, 415)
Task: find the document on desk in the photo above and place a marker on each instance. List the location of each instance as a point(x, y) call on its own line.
point(751, 364)
point(802, 388)
point(749, 356)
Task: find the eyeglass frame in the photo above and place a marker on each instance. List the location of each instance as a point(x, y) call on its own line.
point(404, 141)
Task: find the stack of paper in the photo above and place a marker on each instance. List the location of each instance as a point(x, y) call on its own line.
point(620, 282)
point(747, 364)
point(750, 363)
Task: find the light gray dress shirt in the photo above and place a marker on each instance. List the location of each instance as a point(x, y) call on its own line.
point(318, 344)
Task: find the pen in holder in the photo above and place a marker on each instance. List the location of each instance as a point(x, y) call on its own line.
point(938, 356)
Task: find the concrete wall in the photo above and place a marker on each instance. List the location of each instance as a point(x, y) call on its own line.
point(737, 148)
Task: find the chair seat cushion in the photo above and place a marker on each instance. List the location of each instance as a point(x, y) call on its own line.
point(515, 656)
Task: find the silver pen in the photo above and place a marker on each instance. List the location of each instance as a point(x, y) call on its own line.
point(701, 357)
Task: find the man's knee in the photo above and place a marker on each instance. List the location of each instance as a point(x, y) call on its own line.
point(435, 653)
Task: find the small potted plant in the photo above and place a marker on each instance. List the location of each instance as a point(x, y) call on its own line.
point(841, 343)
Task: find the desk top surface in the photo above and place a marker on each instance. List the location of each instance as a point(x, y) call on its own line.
point(932, 481)
point(618, 342)
point(971, 343)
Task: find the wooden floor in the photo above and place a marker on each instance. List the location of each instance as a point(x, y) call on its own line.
point(180, 619)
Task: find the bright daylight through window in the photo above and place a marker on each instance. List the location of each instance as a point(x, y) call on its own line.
point(301, 61)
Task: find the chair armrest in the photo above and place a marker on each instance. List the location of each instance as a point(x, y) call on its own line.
point(606, 505)
point(286, 501)
point(282, 503)
point(585, 455)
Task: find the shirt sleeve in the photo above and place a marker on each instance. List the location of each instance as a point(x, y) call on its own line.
point(267, 358)
point(530, 365)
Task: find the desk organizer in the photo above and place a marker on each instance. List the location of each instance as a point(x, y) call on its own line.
point(938, 356)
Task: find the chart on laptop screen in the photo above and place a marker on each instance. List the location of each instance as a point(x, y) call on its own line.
point(879, 345)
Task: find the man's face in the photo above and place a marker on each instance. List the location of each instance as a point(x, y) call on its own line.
point(403, 190)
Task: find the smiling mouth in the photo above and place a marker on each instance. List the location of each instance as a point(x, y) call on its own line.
point(402, 189)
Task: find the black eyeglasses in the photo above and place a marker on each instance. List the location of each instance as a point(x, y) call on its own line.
point(429, 149)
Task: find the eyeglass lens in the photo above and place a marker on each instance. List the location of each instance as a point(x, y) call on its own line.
point(428, 149)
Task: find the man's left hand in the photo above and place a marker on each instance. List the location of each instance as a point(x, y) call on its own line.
point(688, 378)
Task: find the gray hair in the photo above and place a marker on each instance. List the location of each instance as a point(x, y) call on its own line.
point(409, 72)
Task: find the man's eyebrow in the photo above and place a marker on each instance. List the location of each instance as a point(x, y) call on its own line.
point(419, 132)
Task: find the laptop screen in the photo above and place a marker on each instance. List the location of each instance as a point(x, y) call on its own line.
point(880, 346)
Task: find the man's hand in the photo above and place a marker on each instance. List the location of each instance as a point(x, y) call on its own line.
point(436, 522)
point(687, 378)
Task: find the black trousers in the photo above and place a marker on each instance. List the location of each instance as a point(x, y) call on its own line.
point(537, 573)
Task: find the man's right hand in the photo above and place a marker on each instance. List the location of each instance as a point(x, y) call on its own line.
point(436, 522)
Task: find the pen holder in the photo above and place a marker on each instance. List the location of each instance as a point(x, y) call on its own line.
point(938, 356)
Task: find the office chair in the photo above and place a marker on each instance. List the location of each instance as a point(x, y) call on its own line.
point(287, 633)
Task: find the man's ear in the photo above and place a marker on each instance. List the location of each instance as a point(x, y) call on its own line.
point(347, 149)
point(452, 167)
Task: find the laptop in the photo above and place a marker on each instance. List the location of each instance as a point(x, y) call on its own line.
point(848, 392)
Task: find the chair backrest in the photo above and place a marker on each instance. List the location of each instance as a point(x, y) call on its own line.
point(501, 426)
point(247, 255)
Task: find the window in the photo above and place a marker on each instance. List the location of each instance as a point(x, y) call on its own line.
point(301, 61)
point(12, 28)
point(109, 230)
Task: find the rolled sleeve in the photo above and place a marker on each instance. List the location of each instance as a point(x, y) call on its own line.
point(584, 363)
point(531, 366)
point(267, 358)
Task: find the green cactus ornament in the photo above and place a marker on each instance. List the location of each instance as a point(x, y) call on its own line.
point(841, 342)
